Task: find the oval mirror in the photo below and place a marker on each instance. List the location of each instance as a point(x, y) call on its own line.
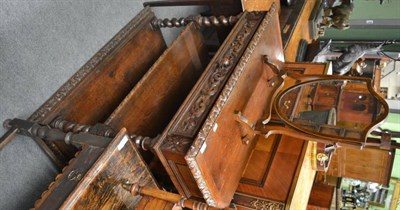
point(342, 109)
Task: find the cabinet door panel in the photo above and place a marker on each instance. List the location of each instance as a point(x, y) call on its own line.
point(368, 164)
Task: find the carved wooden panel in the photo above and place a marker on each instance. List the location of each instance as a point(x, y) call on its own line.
point(180, 133)
point(248, 91)
point(216, 75)
point(245, 202)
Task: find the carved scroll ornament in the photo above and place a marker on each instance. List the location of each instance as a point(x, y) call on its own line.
point(266, 205)
point(215, 81)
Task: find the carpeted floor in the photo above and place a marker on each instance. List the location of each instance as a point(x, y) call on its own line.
point(42, 43)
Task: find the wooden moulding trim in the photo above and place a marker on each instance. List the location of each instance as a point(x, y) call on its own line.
point(244, 28)
point(143, 18)
point(214, 78)
point(254, 202)
point(214, 113)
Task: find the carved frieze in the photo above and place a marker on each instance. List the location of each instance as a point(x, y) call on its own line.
point(221, 69)
point(266, 205)
point(219, 104)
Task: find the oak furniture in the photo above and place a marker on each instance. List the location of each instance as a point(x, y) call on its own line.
point(92, 180)
point(225, 130)
point(88, 90)
point(368, 165)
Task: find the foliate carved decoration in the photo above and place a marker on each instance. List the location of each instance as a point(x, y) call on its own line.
point(194, 168)
point(267, 205)
point(177, 144)
point(206, 21)
point(89, 67)
point(221, 70)
point(214, 113)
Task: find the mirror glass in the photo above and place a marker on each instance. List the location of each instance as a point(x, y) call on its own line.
point(335, 108)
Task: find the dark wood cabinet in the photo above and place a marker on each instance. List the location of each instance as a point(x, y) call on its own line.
point(188, 107)
point(325, 97)
point(202, 148)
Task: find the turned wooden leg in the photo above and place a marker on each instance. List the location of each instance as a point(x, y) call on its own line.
point(136, 189)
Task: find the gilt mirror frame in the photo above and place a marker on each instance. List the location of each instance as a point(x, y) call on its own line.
point(314, 79)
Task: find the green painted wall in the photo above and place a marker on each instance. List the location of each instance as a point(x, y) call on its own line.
point(396, 165)
point(362, 34)
point(392, 123)
point(369, 9)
